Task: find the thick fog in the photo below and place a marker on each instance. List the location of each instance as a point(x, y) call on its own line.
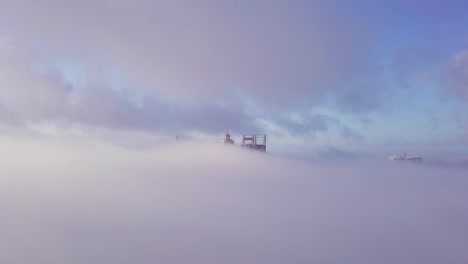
point(87, 202)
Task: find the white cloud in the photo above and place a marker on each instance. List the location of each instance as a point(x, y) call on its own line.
point(77, 202)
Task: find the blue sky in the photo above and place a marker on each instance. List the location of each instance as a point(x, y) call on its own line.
point(354, 75)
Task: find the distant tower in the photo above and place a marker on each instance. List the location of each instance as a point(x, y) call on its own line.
point(228, 139)
point(177, 136)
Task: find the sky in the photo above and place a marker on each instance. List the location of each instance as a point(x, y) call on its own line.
point(359, 76)
point(93, 92)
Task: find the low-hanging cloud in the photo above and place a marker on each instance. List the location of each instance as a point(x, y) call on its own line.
point(86, 202)
point(31, 94)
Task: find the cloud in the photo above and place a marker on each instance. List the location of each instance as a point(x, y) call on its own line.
point(86, 202)
point(453, 77)
point(306, 124)
point(412, 64)
point(31, 95)
point(456, 75)
point(366, 121)
point(350, 135)
point(333, 154)
point(278, 55)
point(309, 124)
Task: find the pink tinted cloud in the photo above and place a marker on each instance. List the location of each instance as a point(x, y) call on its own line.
point(85, 202)
point(289, 51)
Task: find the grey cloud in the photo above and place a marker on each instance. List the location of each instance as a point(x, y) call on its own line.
point(310, 124)
point(455, 75)
point(367, 120)
point(30, 95)
point(410, 63)
point(307, 125)
point(350, 135)
point(332, 154)
point(280, 53)
point(362, 98)
point(433, 120)
point(461, 118)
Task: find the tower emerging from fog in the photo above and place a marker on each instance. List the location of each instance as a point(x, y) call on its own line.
point(255, 141)
point(227, 138)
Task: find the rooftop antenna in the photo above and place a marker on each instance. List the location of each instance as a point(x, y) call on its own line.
point(405, 149)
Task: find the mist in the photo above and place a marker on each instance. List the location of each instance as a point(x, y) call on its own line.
point(86, 201)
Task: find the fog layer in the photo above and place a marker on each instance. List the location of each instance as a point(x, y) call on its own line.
point(83, 202)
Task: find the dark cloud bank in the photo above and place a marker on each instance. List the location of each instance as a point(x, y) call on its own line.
point(83, 202)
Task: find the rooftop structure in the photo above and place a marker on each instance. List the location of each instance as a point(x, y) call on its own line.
point(254, 141)
point(404, 157)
